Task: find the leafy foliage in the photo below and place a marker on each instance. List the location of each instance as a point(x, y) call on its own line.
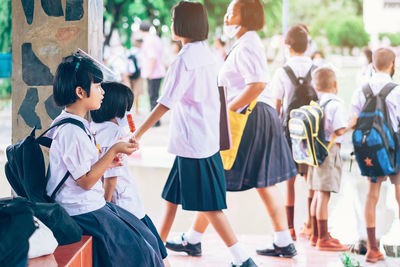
point(5, 26)
point(347, 31)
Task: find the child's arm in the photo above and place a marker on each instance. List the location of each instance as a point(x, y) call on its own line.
point(109, 187)
point(252, 91)
point(278, 106)
point(88, 180)
point(155, 116)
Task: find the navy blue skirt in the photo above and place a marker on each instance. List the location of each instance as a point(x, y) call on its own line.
point(119, 238)
point(197, 184)
point(149, 223)
point(264, 157)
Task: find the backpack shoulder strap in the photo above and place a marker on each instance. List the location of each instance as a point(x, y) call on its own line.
point(387, 89)
point(309, 73)
point(327, 102)
point(367, 91)
point(43, 140)
point(290, 74)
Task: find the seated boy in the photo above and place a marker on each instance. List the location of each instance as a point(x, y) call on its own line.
point(383, 60)
point(325, 178)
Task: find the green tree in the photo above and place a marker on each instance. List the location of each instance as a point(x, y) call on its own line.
point(5, 26)
point(347, 31)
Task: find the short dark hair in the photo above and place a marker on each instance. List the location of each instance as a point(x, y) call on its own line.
point(190, 20)
point(74, 71)
point(324, 79)
point(297, 38)
point(382, 58)
point(129, 98)
point(145, 26)
point(252, 13)
point(115, 102)
point(368, 54)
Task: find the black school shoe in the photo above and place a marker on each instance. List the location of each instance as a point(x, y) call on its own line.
point(285, 252)
point(184, 246)
point(248, 263)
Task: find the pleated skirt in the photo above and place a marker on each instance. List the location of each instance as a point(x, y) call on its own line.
point(264, 157)
point(119, 238)
point(197, 184)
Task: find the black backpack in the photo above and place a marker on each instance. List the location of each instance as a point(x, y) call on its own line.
point(303, 94)
point(25, 169)
point(16, 226)
point(374, 139)
point(136, 74)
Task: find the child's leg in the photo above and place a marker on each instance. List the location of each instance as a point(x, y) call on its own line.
point(169, 217)
point(322, 214)
point(221, 224)
point(370, 212)
point(314, 224)
point(290, 199)
point(199, 226)
point(272, 200)
point(309, 201)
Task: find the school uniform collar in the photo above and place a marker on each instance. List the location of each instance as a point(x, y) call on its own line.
point(380, 77)
point(246, 36)
point(324, 97)
point(194, 55)
point(64, 114)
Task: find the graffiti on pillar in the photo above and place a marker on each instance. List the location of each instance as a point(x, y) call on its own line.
point(52, 8)
point(28, 6)
point(28, 106)
point(34, 72)
point(52, 110)
point(74, 10)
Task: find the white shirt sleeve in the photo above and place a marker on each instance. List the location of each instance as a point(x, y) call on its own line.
point(175, 85)
point(74, 148)
point(278, 84)
point(357, 102)
point(339, 118)
point(252, 65)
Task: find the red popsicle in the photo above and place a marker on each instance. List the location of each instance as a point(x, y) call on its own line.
point(131, 123)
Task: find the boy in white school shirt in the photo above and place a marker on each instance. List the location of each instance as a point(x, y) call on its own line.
point(383, 60)
point(297, 41)
point(326, 178)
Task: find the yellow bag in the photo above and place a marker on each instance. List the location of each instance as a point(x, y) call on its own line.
point(237, 122)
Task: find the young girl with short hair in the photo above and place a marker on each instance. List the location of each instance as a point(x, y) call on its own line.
point(119, 238)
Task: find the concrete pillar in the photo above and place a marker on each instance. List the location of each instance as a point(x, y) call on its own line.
point(45, 31)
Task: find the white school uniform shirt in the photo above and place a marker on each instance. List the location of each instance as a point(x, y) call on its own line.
point(245, 64)
point(335, 115)
point(126, 194)
point(377, 82)
point(283, 88)
point(73, 151)
point(190, 91)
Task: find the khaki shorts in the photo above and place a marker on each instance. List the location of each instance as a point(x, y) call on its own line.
point(137, 86)
point(328, 175)
point(394, 179)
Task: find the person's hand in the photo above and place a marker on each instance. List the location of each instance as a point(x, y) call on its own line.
point(135, 142)
point(117, 161)
point(126, 148)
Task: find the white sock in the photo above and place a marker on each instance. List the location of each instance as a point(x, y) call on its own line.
point(193, 237)
point(238, 253)
point(282, 238)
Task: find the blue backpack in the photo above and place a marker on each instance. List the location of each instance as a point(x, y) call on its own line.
point(375, 142)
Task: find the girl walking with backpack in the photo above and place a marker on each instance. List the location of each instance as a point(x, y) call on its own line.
point(196, 180)
point(263, 158)
point(119, 238)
